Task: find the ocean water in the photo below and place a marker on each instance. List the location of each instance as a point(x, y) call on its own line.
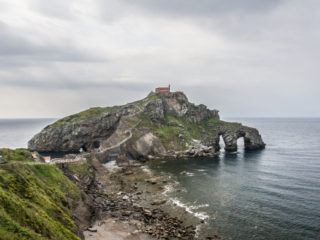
point(15, 133)
point(269, 194)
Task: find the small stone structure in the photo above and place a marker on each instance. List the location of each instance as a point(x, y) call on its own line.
point(163, 89)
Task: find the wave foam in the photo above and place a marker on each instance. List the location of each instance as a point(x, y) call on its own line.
point(146, 170)
point(111, 165)
point(190, 209)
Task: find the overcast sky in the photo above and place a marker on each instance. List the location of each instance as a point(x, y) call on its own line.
point(258, 58)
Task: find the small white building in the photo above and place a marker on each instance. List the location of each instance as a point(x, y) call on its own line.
point(47, 159)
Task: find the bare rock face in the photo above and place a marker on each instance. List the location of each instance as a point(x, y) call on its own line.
point(148, 145)
point(197, 114)
point(155, 109)
point(72, 137)
point(85, 134)
point(176, 104)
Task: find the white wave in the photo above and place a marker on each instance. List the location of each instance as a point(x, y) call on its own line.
point(195, 207)
point(111, 165)
point(190, 174)
point(201, 170)
point(189, 209)
point(146, 170)
point(198, 228)
point(171, 187)
point(168, 189)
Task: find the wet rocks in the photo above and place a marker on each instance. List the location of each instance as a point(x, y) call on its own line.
point(183, 173)
point(200, 150)
point(90, 229)
point(154, 222)
point(159, 202)
point(152, 180)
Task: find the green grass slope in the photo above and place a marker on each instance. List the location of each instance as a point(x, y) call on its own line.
point(180, 136)
point(35, 202)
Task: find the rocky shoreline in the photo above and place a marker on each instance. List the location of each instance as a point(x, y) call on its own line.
point(131, 198)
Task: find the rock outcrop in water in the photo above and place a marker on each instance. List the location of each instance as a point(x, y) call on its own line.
point(162, 124)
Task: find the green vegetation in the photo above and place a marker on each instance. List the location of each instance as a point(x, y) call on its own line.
point(100, 111)
point(35, 202)
point(179, 137)
point(132, 120)
point(20, 155)
point(85, 115)
point(80, 169)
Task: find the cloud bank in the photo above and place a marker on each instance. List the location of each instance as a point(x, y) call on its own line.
point(246, 58)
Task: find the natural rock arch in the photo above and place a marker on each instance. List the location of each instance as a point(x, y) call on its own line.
point(251, 136)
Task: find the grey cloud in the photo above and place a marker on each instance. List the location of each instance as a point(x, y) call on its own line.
point(12, 43)
point(58, 8)
point(246, 58)
point(72, 84)
point(205, 8)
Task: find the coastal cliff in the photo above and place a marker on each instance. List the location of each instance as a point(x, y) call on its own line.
point(160, 125)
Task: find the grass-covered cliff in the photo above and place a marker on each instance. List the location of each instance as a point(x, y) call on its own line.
point(36, 200)
point(156, 125)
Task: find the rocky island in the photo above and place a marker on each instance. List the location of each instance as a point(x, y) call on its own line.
point(164, 124)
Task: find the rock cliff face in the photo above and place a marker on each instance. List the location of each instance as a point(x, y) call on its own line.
point(162, 124)
point(69, 136)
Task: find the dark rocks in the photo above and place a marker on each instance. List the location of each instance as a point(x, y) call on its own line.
point(183, 172)
point(159, 202)
point(152, 180)
point(126, 213)
point(147, 212)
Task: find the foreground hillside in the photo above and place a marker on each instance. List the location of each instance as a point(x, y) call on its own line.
point(36, 200)
point(162, 124)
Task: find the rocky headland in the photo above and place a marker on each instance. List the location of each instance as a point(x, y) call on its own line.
point(160, 125)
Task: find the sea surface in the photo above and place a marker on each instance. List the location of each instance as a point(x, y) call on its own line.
point(15, 133)
point(269, 194)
